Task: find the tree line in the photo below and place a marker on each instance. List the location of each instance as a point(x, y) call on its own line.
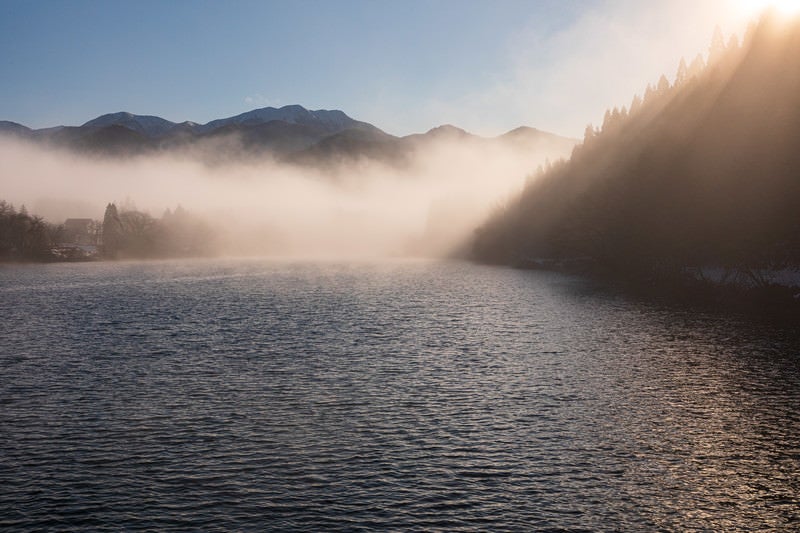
point(23, 236)
point(129, 233)
point(123, 233)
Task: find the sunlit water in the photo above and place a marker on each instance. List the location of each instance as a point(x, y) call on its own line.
point(254, 395)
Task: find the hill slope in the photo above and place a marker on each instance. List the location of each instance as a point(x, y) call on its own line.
point(703, 172)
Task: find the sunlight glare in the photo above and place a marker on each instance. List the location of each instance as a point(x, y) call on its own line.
point(755, 7)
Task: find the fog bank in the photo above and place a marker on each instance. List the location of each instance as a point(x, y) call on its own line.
point(360, 208)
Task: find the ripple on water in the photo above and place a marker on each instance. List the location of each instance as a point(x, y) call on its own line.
point(241, 395)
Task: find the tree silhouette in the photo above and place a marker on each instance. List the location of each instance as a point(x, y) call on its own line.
point(113, 232)
point(716, 50)
point(683, 73)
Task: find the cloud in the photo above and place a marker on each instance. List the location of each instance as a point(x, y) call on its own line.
point(562, 81)
point(259, 100)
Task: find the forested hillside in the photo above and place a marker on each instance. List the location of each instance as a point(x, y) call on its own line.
point(701, 171)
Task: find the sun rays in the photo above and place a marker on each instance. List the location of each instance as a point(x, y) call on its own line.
point(788, 8)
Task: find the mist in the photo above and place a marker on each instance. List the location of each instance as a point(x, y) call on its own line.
point(563, 79)
point(358, 208)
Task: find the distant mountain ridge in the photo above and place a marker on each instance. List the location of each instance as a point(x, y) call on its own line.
point(291, 133)
point(292, 114)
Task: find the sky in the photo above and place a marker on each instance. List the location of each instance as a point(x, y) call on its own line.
point(486, 66)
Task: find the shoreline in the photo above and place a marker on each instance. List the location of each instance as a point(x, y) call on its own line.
point(688, 287)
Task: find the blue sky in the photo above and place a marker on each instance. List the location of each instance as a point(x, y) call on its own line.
point(406, 66)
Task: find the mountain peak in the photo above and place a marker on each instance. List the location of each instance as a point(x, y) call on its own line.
point(331, 121)
point(449, 130)
point(147, 125)
point(6, 126)
point(522, 130)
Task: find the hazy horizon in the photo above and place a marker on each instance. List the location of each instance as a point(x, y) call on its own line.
point(352, 208)
point(441, 195)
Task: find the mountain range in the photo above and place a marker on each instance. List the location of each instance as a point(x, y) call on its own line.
point(291, 134)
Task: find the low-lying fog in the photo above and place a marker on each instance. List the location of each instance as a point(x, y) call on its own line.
point(361, 208)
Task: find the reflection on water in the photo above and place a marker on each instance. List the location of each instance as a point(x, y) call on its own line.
point(400, 395)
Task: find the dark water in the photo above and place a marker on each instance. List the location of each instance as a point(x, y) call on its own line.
point(225, 395)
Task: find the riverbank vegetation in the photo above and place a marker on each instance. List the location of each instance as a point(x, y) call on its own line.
point(125, 233)
point(24, 237)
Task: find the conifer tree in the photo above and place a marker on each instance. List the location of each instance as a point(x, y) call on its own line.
point(697, 67)
point(717, 48)
point(636, 104)
point(683, 72)
point(112, 231)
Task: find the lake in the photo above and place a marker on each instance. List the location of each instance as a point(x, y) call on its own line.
point(387, 395)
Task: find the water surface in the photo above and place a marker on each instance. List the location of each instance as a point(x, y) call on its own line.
point(258, 395)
